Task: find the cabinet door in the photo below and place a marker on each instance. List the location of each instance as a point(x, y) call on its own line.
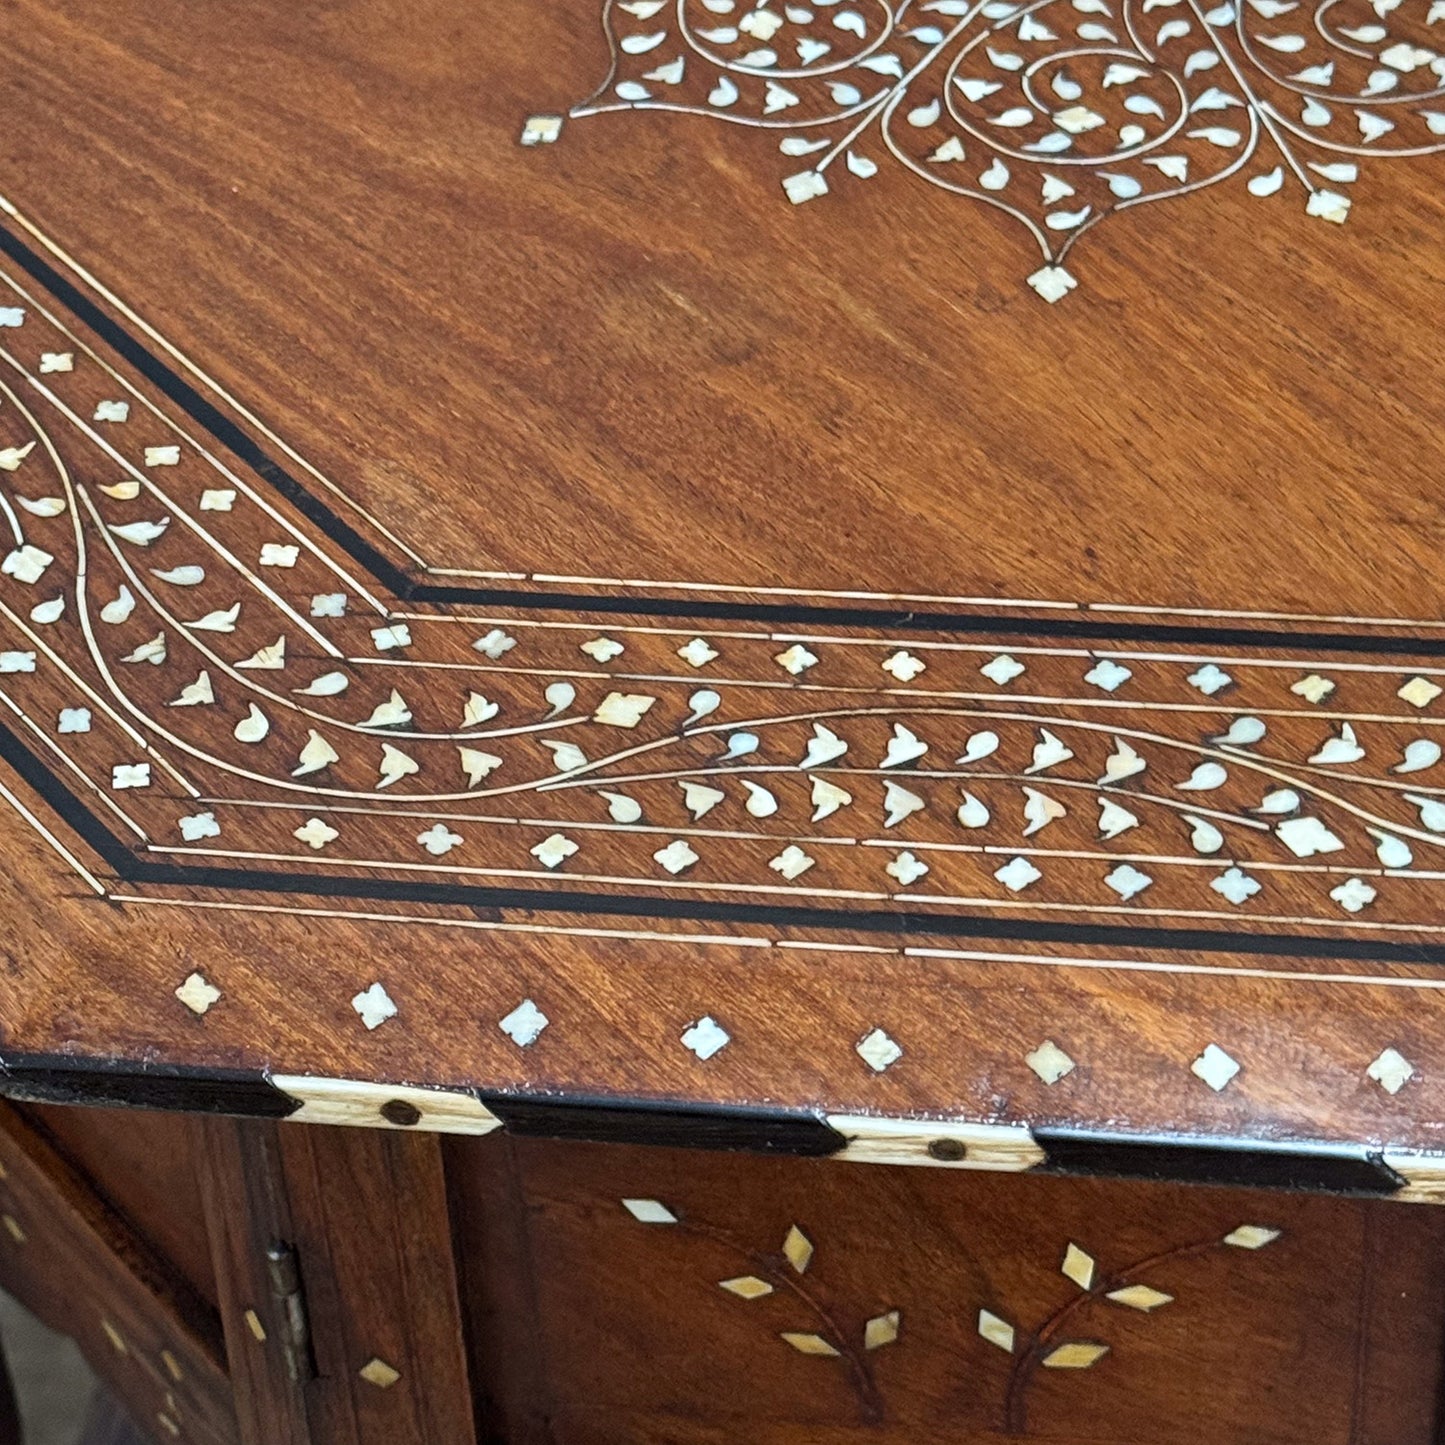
point(623, 1295)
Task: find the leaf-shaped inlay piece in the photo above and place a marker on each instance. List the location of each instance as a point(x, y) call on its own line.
point(389, 714)
point(972, 812)
point(271, 658)
point(1343, 748)
point(1420, 754)
point(980, 745)
point(253, 727)
point(1391, 851)
point(904, 746)
point(699, 799)
point(222, 620)
point(195, 694)
point(1049, 751)
point(120, 608)
point(828, 798)
point(798, 1249)
point(1115, 819)
point(825, 746)
point(621, 808)
point(317, 754)
point(153, 651)
point(1204, 779)
point(703, 703)
point(395, 765)
point(1040, 810)
point(1123, 762)
point(141, 534)
point(566, 757)
point(41, 506)
point(899, 803)
point(329, 684)
point(761, 803)
point(191, 575)
point(559, 696)
point(477, 764)
point(477, 710)
point(1243, 732)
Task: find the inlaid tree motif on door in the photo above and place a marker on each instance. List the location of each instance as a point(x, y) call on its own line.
point(1057, 112)
point(1071, 1336)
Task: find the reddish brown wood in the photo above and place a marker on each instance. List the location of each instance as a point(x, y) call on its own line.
point(649, 400)
point(626, 356)
point(364, 1214)
point(246, 1211)
point(143, 1166)
point(1329, 1335)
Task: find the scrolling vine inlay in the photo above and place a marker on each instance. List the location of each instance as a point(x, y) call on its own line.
point(217, 682)
point(1057, 112)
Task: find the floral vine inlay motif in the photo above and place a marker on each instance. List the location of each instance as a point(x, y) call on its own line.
point(1057, 112)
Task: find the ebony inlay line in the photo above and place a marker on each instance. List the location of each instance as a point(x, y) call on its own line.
point(614, 1121)
point(1336, 1170)
point(59, 1079)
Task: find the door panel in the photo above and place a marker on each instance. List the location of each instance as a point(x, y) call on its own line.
point(791, 1300)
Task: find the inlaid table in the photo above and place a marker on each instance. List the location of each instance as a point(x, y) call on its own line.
point(668, 602)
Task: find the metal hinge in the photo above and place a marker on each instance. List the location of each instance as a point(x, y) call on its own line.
point(284, 1272)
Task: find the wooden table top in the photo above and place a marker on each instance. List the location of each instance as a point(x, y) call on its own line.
point(727, 556)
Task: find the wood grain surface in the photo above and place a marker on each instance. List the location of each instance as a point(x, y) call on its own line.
point(695, 1314)
point(446, 570)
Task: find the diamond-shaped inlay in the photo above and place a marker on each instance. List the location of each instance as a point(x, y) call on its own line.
point(706, 1037)
point(374, 1005)
point(316, 833)
point(1313, 688)
point(1076, 1355)
point(541, 130)
point(1140, 1297)
point(746, 1286)
point(1419, 692)
point(524, 1024)
point(878, 1051)
point(1210, 679)
point(697, 653)
point(1215, 1067)
point(798, 1249)
point(1002, 670)
point(1391, 1071)
point(796, 659)
point(649, 1211)
point(1078, 1266)
point(882, 1330)
point(677, 857)
point(996, 1331)
point(904, 666)
point(809, 1344)
point(1049, 1062)
point(1251, 1236)
point(377, 1372)
point(198, 995)
point(1127, 881)
point(1108, 675)
point(1017, 874)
